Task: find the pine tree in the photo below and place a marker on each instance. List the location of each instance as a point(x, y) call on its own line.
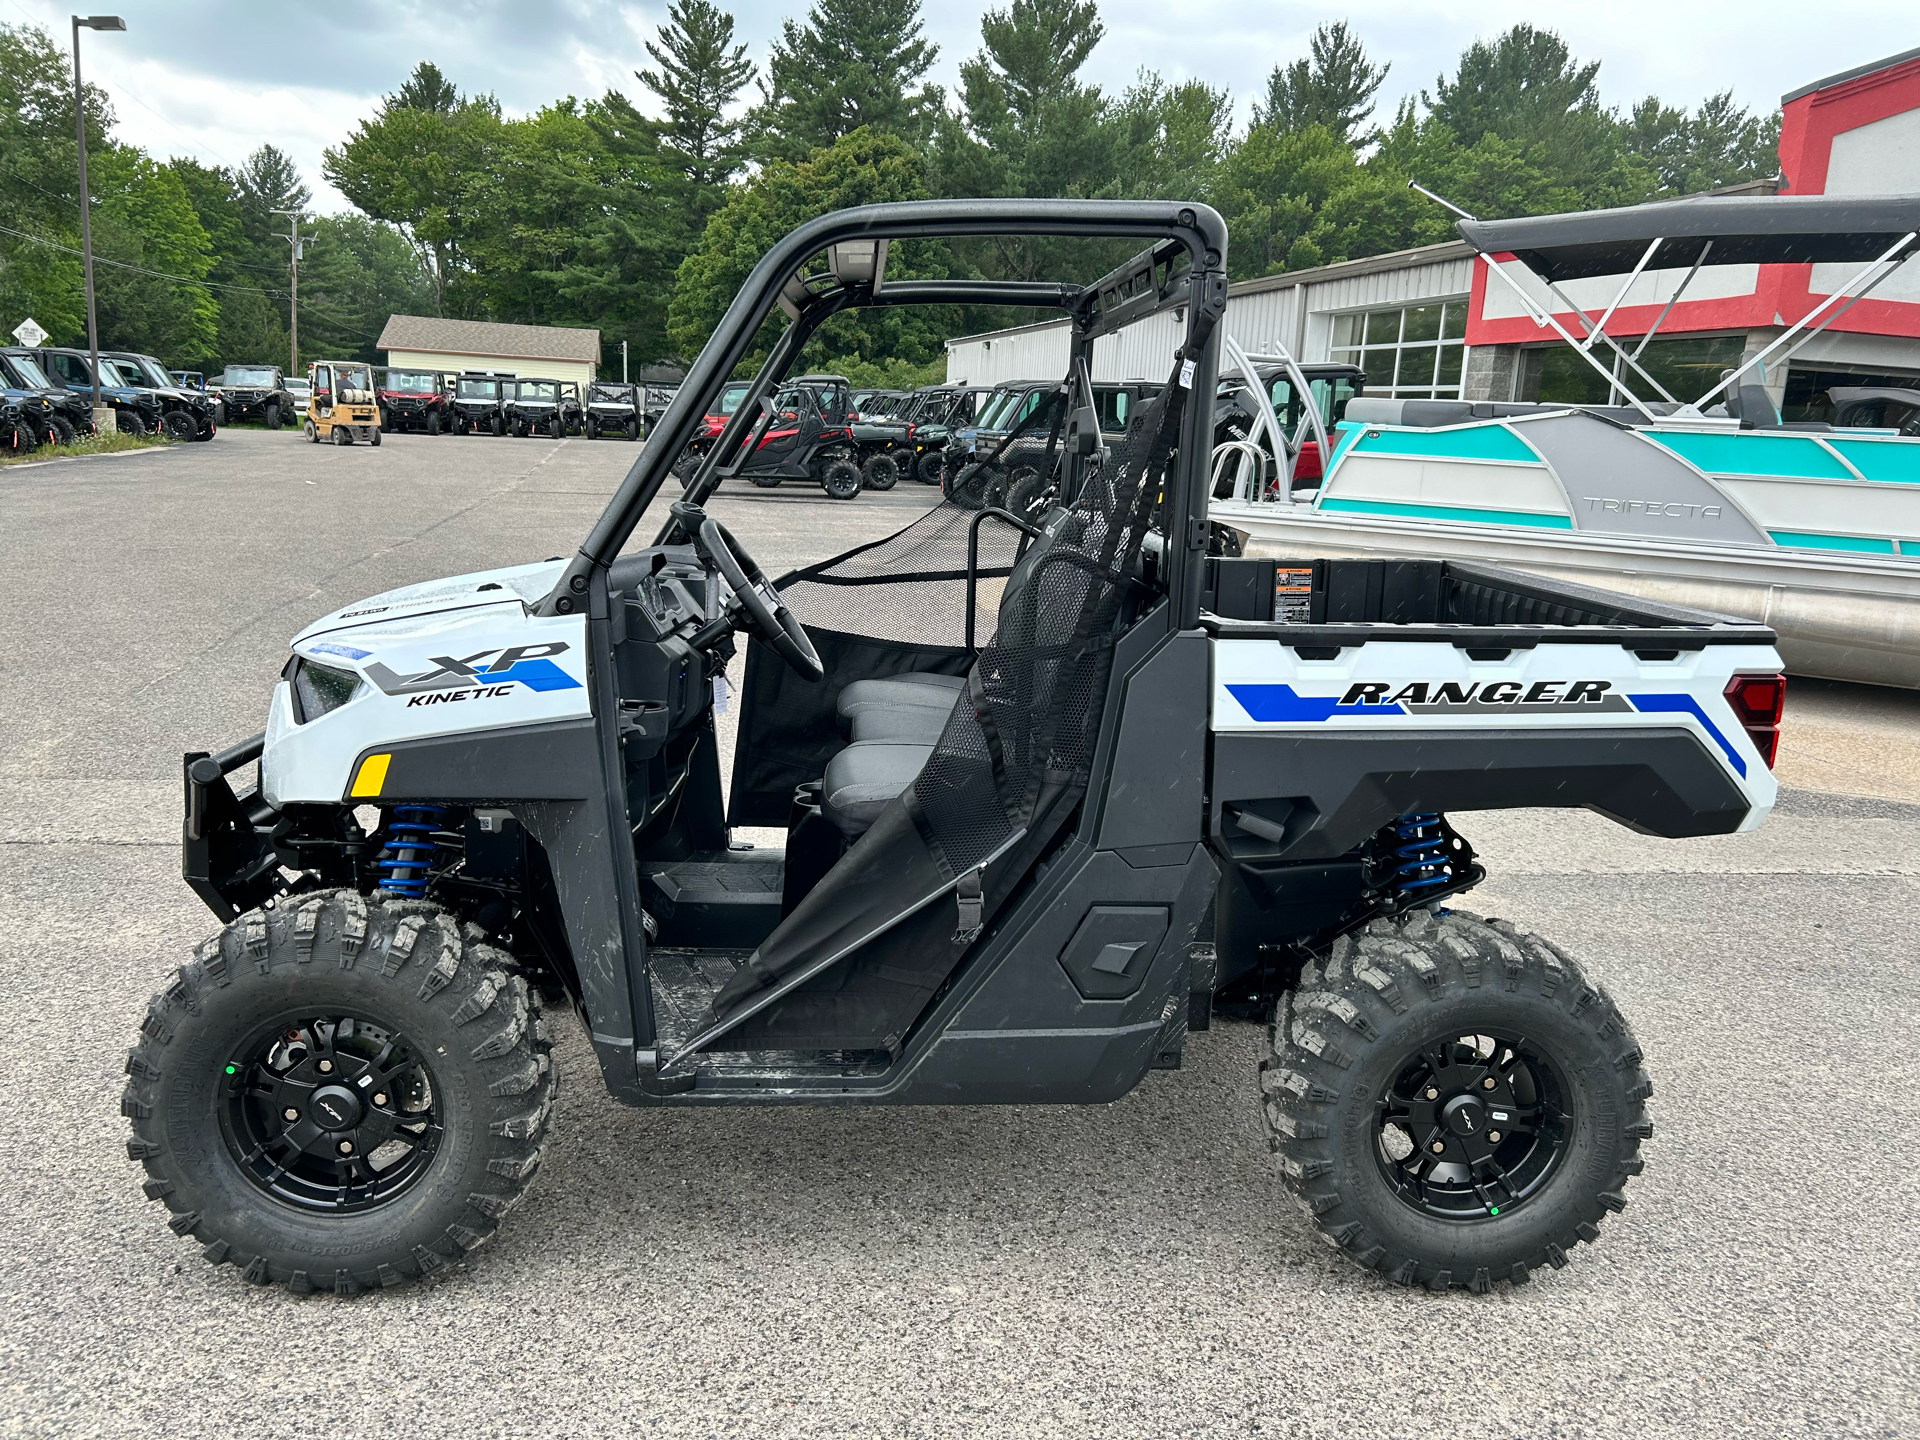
point(701, 73)
point(1332, 86)
point(1032, 53)
point(855, 64)
point(427, 89)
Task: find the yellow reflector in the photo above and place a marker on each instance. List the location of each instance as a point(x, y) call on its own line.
point(373, 774)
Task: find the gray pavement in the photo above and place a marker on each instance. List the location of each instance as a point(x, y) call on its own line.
point(1128, 1270)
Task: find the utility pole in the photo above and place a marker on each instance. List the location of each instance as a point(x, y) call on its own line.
point(294, 217)
point(88, 22)
point(623, 362)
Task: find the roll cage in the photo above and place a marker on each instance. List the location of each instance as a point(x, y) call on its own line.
point(1183, 266)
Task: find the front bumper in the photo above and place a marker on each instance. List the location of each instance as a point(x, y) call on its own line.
point(226, 839)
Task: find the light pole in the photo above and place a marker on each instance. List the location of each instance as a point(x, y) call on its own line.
point(88, 22)
point(294, 217)
point(623, 362)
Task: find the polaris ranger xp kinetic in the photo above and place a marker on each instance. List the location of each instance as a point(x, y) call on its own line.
point(1052, 786)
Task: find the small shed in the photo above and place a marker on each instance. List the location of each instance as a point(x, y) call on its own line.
point(552, 352)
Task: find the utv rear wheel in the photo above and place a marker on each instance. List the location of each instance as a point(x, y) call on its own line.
point(1453, 1102)
point(340, 1093)
point(840, 479)
point(881, 472)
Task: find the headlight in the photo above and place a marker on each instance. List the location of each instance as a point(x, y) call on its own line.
point(318, 689)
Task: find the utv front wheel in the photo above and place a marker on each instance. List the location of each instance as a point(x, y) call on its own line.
point(340, 1093)
point(881, 472)
point(1453, 1102)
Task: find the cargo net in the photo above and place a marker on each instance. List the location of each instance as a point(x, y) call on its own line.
point(1024, 730)
point(910, 588)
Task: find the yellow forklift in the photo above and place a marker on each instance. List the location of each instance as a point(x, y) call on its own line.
point(340, 405)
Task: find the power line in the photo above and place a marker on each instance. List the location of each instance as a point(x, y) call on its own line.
point(138, 269)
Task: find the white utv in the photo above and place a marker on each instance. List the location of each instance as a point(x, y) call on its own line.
point(1054, 787)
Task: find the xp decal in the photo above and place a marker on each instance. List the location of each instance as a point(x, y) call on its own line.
point(529, 665)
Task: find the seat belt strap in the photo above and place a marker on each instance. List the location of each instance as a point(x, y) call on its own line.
point(969, 899)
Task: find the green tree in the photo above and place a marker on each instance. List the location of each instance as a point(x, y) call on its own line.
point(249, 330)
point(145, 228)
point(854, 64)
point(427, 90)
point(39, 187)
point(424, 171)
point(638, 227)
point(356, 273)
point(700, 74)
point(1332, 86)
point(1719, 144)
point(1027, 124)
point(865, 168)
point(1176, 136)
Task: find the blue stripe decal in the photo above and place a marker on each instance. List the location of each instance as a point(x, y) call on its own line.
point(1268, 703)
point(538, 673)
point(1687, 705)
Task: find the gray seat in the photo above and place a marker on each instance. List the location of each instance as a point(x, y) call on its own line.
point(911, 724)
point(862, 780)
point(889, 692)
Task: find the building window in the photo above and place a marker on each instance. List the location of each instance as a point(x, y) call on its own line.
point(1412, 352)
point(1687, 365)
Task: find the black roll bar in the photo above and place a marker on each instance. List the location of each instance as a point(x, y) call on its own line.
point(1197, 228)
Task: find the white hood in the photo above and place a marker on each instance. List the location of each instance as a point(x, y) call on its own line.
point(522, 583)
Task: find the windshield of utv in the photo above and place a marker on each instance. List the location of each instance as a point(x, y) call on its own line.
point(412, 382)
point(536, 390)
point(479, 389)
point(246, 375)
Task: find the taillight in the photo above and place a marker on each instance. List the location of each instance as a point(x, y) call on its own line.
point(1758, 701)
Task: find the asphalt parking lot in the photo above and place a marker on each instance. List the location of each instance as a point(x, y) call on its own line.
point(1130, 1270)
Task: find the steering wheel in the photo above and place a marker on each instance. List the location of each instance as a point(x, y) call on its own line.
point(768, 612)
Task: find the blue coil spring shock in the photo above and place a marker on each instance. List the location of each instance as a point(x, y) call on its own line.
point(406, 860)
point(1421, 858)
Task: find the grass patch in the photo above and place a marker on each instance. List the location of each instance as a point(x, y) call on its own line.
point(110, 444)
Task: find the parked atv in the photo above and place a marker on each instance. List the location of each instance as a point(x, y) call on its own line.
point(933, 411)
point(805, 435)
point(184, 414)
point(613, 408)
point(479, 404)
point(255, 392)
point(414, 400)
point(542, 407)
point(136, 410)
point(342, 407)
point(1023, 864)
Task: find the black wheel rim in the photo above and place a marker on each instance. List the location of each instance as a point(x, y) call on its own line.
point(1472, 1127)
point(333, 1113)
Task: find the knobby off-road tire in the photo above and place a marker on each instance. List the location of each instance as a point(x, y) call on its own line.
point(881, 472)
point(840, 479)
point(930, 467)
point(1357, 1028)
point(412, 980)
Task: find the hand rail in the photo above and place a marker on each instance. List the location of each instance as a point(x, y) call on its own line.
point(973, 553)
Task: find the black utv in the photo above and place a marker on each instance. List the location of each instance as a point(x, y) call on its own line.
point(42, 413)
point(542, 407)
point(614, 408)
point(255, 392)
point(1054, 789)
point(185, 414)
point(478, 404)
point(136, 409)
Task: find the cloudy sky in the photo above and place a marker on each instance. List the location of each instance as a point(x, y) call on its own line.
point(216, 79)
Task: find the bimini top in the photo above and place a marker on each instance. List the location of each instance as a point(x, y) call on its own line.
point(1744, 229)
